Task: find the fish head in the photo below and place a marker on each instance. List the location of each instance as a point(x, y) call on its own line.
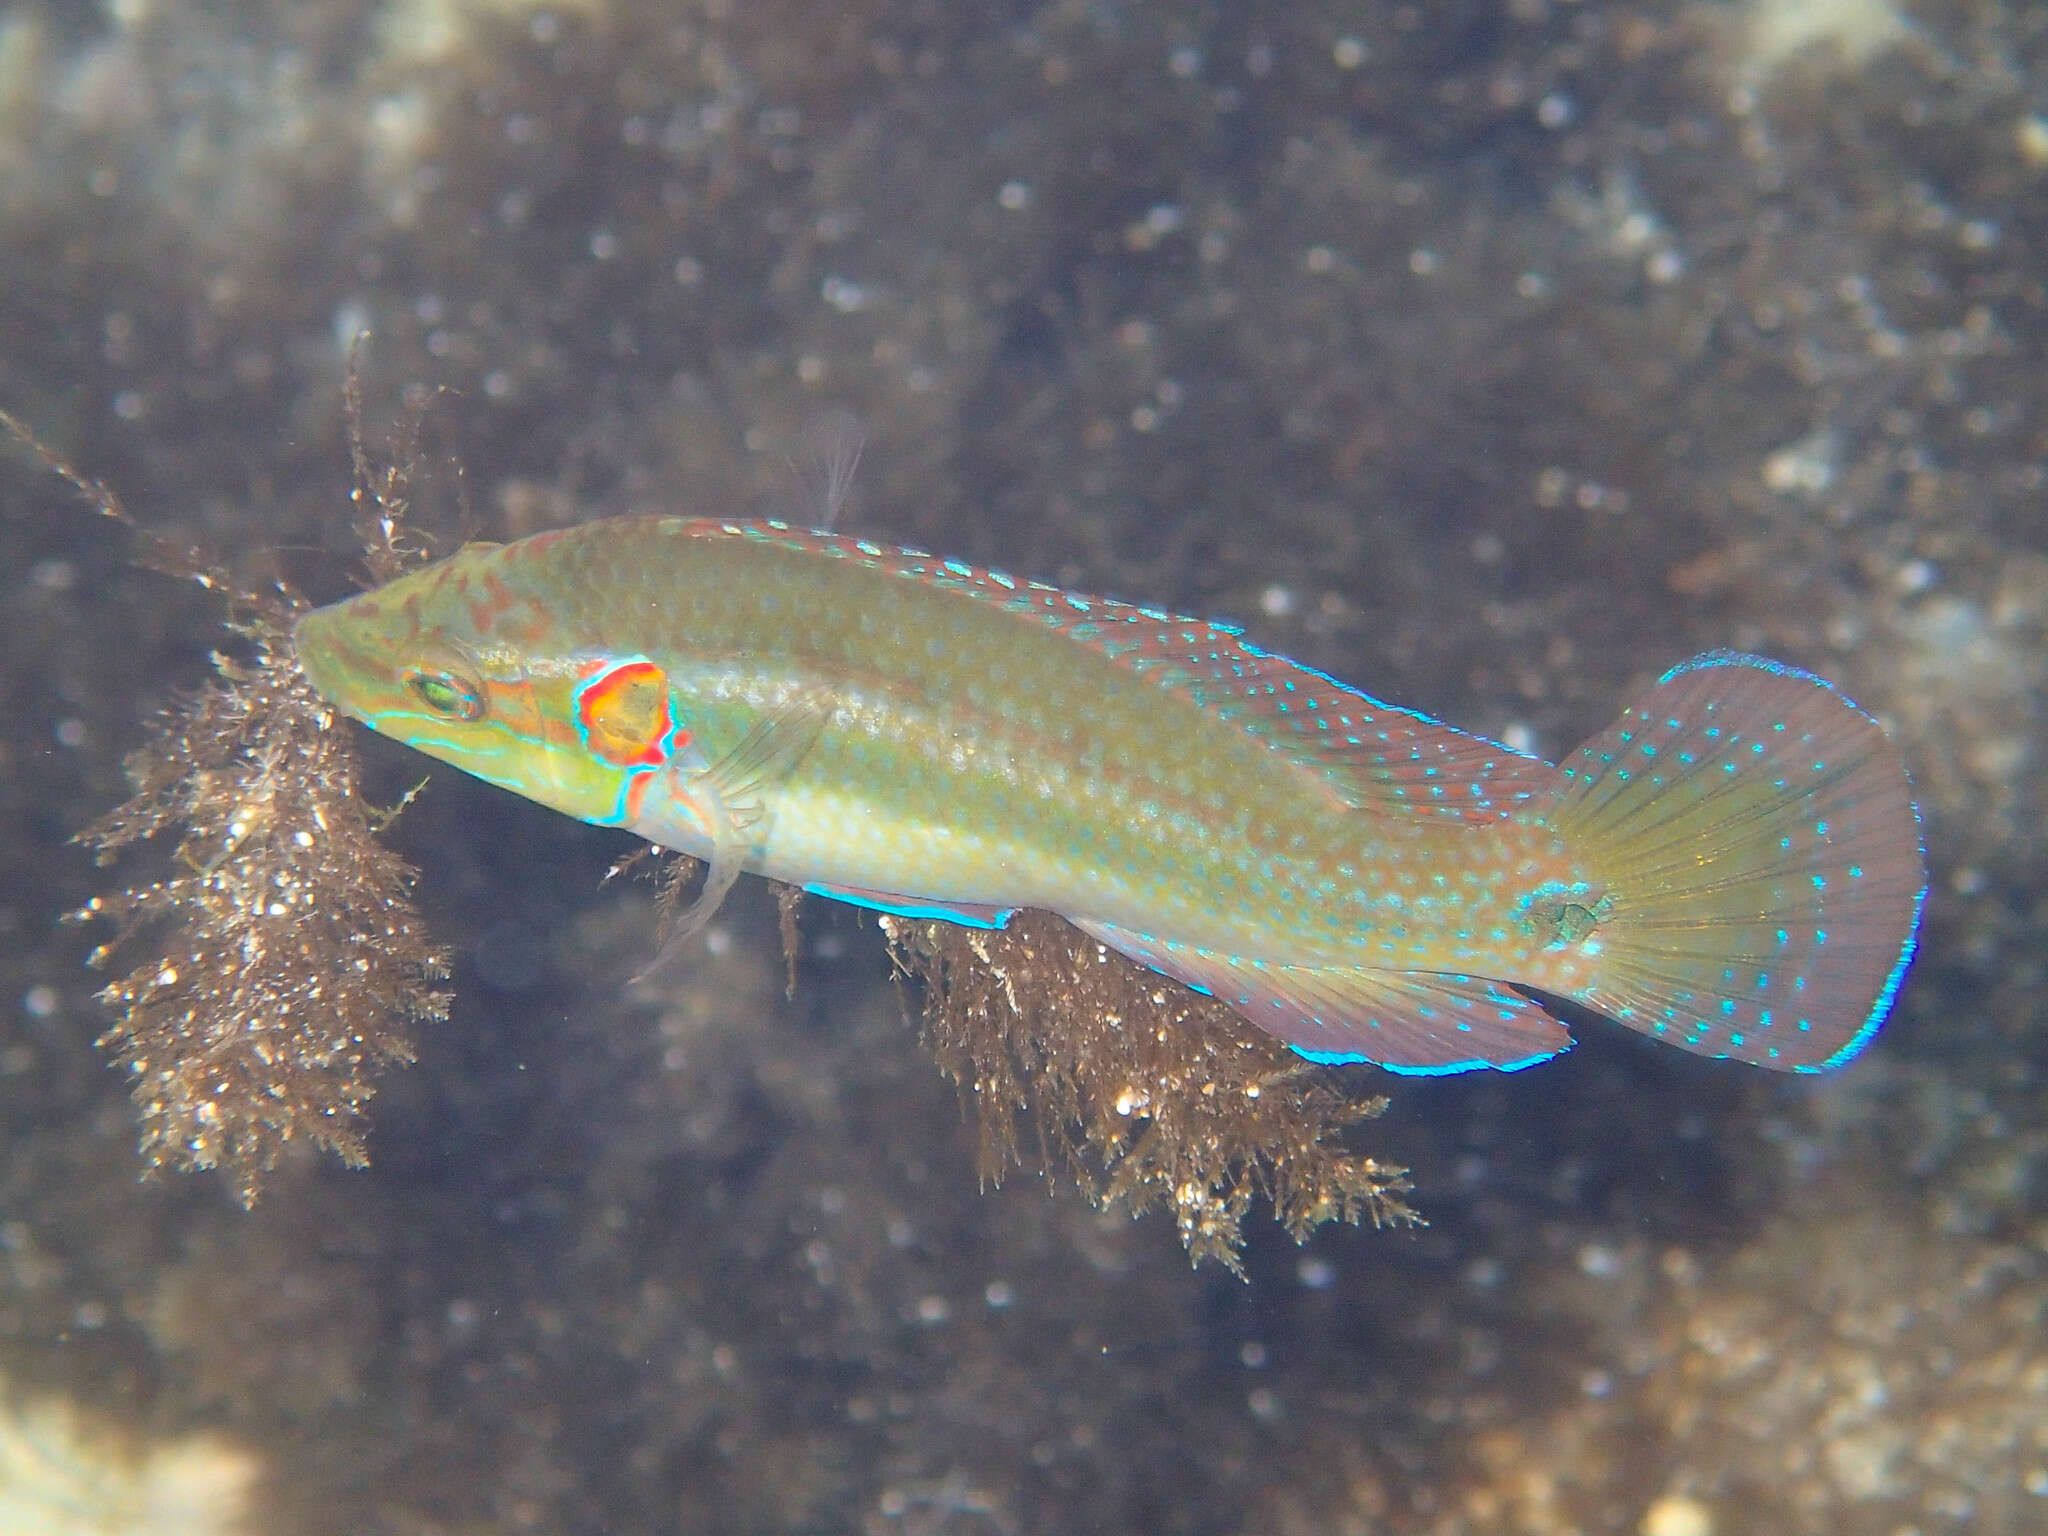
point(462, 660)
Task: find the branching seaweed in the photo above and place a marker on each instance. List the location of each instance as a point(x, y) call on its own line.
point(1149, 1093)
point(283, 960)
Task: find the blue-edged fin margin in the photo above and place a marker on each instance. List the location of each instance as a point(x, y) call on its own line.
point(1760, 851)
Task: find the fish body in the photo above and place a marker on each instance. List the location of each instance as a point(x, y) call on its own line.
point(1734, 867)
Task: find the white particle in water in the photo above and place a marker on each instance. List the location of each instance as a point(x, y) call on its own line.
point(1316, 1274)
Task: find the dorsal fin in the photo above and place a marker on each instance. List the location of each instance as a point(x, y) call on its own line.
point(1367, 751)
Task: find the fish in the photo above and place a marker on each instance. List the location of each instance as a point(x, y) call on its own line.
point(1734, 866)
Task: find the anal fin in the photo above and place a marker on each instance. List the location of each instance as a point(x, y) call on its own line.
point(968, 914)
point(1423, 1023)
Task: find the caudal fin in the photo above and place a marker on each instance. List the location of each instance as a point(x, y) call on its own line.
point(1756, 838)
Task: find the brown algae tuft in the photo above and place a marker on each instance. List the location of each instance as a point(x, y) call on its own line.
point(1151, 1094)
point(282, 961)
point(284, 958)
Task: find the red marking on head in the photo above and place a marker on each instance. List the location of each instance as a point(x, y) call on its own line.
point(497, 598)
point(531, 630)
point(624, 715)
point(636, 796)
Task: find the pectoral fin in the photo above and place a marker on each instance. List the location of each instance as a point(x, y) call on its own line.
point(715, 810)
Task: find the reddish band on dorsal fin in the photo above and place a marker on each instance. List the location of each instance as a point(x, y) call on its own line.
point(1367, 751)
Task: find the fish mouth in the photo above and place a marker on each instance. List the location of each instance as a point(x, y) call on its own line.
point(324, 653)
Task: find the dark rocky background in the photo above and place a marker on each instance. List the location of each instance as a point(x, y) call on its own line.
point(1493, 354)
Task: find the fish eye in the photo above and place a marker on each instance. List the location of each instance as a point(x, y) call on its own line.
point(451, 695)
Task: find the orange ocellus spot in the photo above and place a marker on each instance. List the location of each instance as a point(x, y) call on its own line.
point(622, 712)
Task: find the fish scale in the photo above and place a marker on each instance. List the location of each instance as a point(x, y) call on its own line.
point(922, 735)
